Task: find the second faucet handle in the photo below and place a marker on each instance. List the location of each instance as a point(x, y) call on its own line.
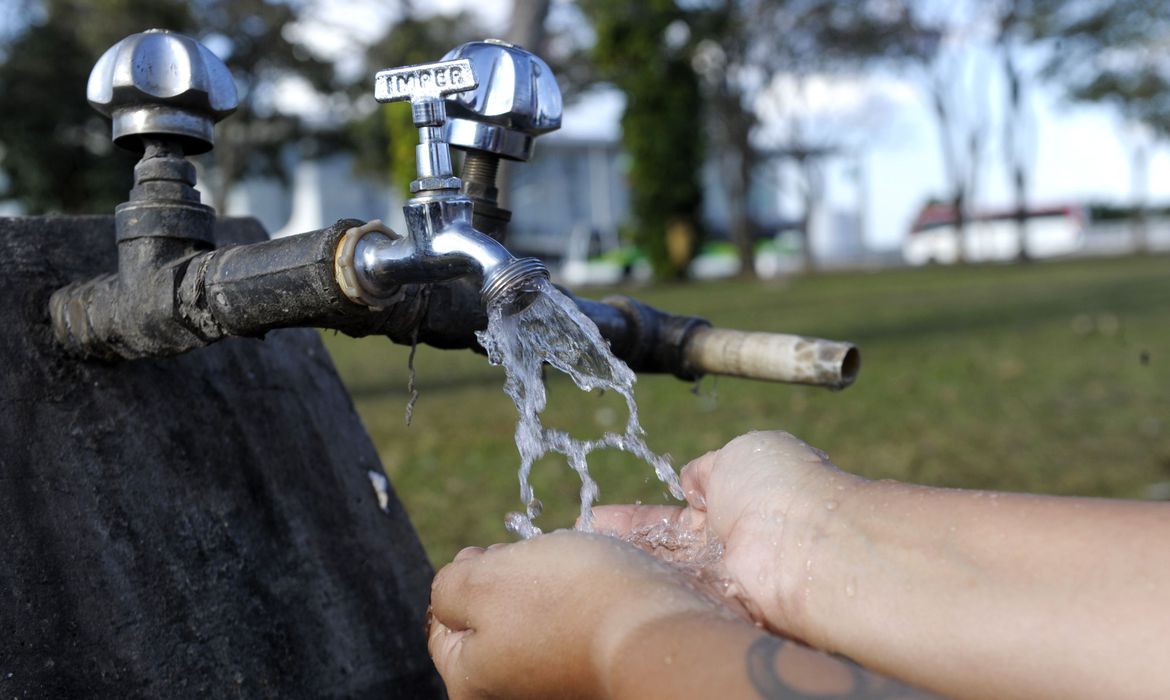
point(424, 85)
point(517, 100)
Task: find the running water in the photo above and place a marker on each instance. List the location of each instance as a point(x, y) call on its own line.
point(551, 329)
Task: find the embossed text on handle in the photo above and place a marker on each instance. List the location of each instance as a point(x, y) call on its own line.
point(424, 80)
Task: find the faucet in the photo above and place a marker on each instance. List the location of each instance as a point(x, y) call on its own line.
point(175, 291)
point(441, 242)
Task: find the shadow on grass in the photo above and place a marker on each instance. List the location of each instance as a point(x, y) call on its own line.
point(1121, 298)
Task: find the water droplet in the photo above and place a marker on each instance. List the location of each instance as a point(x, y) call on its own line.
point(535, 508)
point(830, 505)
point(851, 588)
point(520, 525)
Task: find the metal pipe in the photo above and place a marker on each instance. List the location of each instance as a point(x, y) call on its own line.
point(776, 357)
point(250, 289)
point(650, 340)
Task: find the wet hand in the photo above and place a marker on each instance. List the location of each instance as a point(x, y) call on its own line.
point(763, 495)
point(545, 617)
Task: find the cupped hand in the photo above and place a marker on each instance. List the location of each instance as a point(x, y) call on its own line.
point(763, 495)
point(545, 617)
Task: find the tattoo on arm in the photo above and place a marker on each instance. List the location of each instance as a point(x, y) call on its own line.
point(768, 680)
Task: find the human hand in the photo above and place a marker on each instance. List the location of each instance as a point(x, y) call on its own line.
point(764, 496)
point(546, 617)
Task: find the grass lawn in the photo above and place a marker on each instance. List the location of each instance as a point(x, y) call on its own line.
point(1050, 377)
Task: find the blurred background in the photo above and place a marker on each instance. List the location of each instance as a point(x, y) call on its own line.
point(977, 193)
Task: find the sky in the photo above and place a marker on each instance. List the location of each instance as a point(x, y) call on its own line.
point(1081, 151)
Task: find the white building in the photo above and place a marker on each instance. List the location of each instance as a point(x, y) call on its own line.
point(569, 203)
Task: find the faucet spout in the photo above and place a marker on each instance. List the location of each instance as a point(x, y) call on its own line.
point(441, 245)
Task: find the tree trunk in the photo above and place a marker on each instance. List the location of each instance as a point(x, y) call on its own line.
point(526, 29)
point(1020, 185)
point(526, 24)
point(1140, 165)
point(1014, 146)
point(959, 203)
point(738, 189)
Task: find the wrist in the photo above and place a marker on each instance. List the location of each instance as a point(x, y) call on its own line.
point(812, 549)
point(659, 657)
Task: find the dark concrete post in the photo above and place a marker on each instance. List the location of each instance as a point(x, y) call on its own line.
point(194, 526)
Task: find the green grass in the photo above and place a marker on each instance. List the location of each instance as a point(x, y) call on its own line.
point(1050, 378)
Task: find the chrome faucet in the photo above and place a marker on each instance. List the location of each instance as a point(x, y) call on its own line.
point(441, 243)
point(517, 99)
point(175, 290)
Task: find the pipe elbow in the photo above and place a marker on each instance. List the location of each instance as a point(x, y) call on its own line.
point(384, 262)
point(463, 249)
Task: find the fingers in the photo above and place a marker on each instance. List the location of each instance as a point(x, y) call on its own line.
point(449, 591)
point(452, 590)
point(468, 553)
point(624, 519)
point(444, 645)
point(448, 650)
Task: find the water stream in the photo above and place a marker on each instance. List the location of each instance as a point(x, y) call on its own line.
point(541, 326)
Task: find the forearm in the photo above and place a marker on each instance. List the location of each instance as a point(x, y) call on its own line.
point(707, 656)
point(993, 595)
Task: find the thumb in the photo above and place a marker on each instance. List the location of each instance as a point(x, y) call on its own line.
point(695, 477)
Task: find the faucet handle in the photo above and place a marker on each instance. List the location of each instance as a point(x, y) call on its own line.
point(162, 84)
point(424, 85)
point(517, 101)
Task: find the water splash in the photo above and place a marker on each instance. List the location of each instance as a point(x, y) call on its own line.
point(540, 325)
point(696, 552)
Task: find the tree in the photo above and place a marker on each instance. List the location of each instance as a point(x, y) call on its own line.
point(1016, 23)
point(384, 139)
point(57, 155)
point(1115, 53)
point(740, 59)
point(55, 151)
point(257, 47)
point(644, 49)
point(958, 86)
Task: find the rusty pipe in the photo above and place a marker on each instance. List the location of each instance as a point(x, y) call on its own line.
point(651, 340)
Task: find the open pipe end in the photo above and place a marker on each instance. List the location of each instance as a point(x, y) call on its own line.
point(773, 357)
point(850, 366)
point(513, 280)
